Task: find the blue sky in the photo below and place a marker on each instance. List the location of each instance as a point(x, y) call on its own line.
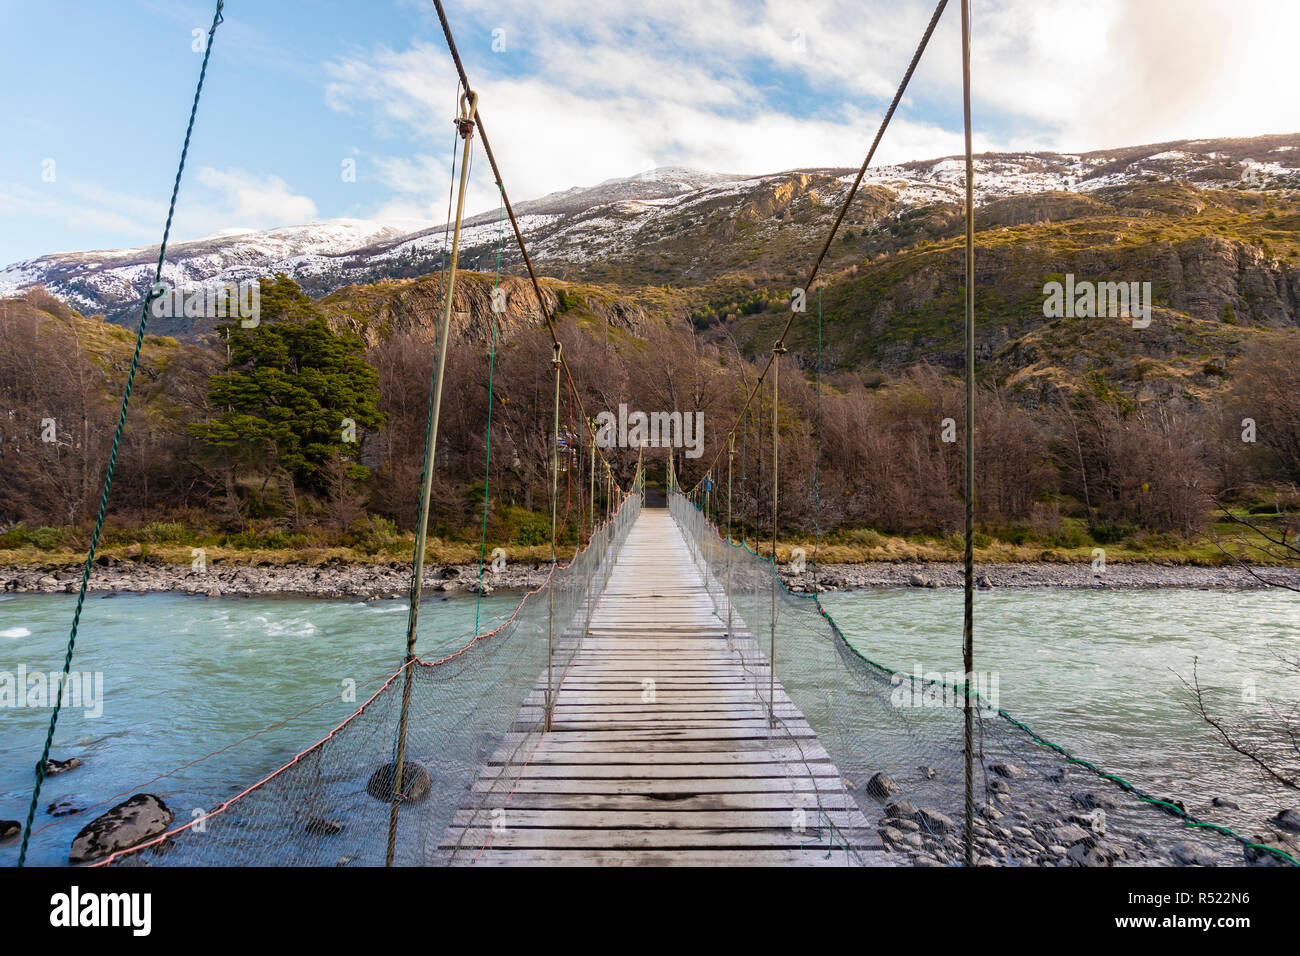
point(581, 92)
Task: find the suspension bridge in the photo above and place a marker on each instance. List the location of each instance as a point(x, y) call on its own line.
point(662, 698)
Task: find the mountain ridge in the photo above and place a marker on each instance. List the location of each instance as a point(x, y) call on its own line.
point(623, 230)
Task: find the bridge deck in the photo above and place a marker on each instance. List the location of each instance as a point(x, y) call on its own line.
point(688, 774)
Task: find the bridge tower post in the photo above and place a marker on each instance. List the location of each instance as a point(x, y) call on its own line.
point(777, 351)
point(731, 454)
point(465, 127)
point(555, 490)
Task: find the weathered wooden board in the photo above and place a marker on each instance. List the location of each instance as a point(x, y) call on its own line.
point(691, 774)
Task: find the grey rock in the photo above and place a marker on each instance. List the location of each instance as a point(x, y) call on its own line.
point(1068, 834)
point(934, 821)
point(1094, 821)
point(881, 786)
point(929, 773)
point(891, 835)
point(1189, 854)
point(63, 807)
point(1092, 799)
point(1286, 820)
point(1225, 803)
point(130, 823)
point(9, 829)
point(1008, 770)
point(1084, 855)
point(416, 782)
point(902, 809)
point(319, 826)
point(55, 767)
point(1257, 856)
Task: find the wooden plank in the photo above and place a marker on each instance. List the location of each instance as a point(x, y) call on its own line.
point(694, 776)
point(495, 856)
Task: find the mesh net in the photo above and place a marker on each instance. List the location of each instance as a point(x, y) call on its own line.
point(467, 739)
point(897, 741)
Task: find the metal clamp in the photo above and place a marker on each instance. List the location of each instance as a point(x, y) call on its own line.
point(468, 112)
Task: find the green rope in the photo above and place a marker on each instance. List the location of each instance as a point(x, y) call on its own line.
point(1173, 808)
point(117, 438)
point(817, 462)
point(487, 465)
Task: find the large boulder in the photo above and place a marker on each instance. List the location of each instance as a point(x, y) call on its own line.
point(1189, 854)
point(934, 821)
point(55, 767)
point(1258, 856)
point(881, 786)
point(1287, 820)
point(416, 782)
point(130, 823)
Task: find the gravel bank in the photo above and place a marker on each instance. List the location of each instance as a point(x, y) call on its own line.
point(339, 579)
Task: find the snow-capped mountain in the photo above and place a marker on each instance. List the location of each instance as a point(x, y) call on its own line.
point(646, 220)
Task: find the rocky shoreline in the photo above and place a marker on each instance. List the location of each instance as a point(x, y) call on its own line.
point(339, 579)
point(1062, 818)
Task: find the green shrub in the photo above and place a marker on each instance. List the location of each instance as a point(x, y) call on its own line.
point(162, 532)
point(47, 539)
point(1070, 536)
point(1108, 532)
point(867, 537)
point(536, 529)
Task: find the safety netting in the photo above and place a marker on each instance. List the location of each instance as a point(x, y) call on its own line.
point(897, 741)
point(474, 718)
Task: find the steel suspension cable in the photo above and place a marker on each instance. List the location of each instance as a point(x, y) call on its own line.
point(844, 207)
point(817, 462)
point(487, 464)
point(968, 558)
point(514, 222)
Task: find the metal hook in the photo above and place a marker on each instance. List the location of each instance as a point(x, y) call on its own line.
point(468, 111)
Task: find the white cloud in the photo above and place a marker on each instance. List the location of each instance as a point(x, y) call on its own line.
point(254, 200)
point(585, 92)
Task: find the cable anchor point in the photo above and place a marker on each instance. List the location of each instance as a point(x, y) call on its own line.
point(468, 112)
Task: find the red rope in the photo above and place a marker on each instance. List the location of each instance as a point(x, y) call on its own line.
point(221, 808)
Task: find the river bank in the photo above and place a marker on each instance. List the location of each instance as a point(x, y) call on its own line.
point(339, 579)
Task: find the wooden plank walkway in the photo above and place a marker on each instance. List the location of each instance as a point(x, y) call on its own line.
point(660, 751)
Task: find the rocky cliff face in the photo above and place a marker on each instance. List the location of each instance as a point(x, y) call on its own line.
point(412, 305)
point(678, 226)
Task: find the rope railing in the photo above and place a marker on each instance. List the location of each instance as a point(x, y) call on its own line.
point(846, 695)
point(780, 343)
point(472, 694)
